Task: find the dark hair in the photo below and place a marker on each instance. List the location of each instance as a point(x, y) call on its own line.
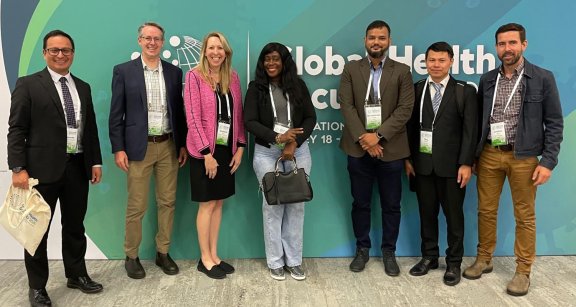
point(57, 33)
point(441, 47)
point(511, 27)
point(289, 79)
point(377, 24)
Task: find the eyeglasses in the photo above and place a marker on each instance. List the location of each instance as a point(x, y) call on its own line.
point(56, 51)
point(149, 39)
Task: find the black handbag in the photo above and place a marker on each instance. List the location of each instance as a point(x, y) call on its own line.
point(287, 187)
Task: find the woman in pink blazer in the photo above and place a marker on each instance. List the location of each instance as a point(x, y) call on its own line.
point(215, 142)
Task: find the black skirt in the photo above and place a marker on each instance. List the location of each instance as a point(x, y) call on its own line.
point(222, 186)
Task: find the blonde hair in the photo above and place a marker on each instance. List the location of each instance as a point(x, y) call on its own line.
point(226, 67)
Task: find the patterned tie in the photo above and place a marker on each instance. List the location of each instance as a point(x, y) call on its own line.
point(68, 104)
point(437, 96)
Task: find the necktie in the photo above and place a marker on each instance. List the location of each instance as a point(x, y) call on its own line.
point(437, 96)
point(68, 104)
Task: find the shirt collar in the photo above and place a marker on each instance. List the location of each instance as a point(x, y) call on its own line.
point(381, 63)
point(56, 76)
point(159, 68)
point(444, 81)
point(517, 70)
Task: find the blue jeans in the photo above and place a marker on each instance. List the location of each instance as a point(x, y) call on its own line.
point(283, 224)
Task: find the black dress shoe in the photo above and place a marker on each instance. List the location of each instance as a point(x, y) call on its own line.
point(226, 267)
point(452, 275)
point(390, 266)
point(39, 298)
point(359, 262)
point(215, 272)
point(422, 267)
point(134, 268)
point(84, 284)
point(167, 264)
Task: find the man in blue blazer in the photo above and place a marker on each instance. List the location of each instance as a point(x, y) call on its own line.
point(147, 131)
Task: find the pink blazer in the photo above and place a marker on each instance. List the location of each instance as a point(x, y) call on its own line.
point(202, 114)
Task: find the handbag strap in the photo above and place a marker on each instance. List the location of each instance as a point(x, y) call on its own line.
point(277, 170)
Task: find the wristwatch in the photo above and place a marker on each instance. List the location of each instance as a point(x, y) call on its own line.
point(378, 135)
point(18, 169)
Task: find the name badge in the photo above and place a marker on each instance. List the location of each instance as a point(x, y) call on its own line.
point(281, 128)
point(223, 132)
point(155, 120)
point(498, 132)
point(373, 116)
point(71, 140)
point(426, 142)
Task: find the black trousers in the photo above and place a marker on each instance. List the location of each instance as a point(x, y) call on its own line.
point(72, 191)
point(434, 192)
point(364, 172)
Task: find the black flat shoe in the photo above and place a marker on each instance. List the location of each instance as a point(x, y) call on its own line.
point(84, 284)
point(423, 266)
point(39, 298)
point(168, 265)
point(215, 272)
point(226, 267)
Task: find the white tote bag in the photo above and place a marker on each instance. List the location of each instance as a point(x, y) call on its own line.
point(25, 215)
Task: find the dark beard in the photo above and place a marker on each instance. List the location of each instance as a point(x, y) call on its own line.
point(376, 54)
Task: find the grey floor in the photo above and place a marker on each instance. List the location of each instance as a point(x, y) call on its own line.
point(329, 283)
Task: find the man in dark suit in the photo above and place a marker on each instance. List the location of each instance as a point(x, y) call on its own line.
point(147, 132)
point(376, 96)
point(53, 137)
point(442, 137)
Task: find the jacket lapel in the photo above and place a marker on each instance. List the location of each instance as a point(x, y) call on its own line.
point(387, 71)
point(139, 78)
point(446, 97)
point(48, 84)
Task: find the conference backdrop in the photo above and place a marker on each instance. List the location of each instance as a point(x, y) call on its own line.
point(323, 35)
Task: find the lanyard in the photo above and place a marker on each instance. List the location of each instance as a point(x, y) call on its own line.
point(509, 97)
point(220, 106)
point(372, 71)
point(274, 105)
point(422, 103)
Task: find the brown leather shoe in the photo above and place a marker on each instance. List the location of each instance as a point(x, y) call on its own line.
point(479, 267)
point(519, 285)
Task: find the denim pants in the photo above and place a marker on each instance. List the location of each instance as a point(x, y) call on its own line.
point(283, 224)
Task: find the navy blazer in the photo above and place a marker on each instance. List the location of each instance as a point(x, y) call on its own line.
point(128, 121)
point(541, 123)
point(37, 132)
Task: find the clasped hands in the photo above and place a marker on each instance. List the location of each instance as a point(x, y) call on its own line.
point(369, 142)
point(288, 138)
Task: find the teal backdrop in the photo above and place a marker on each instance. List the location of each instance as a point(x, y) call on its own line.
point(323, 35)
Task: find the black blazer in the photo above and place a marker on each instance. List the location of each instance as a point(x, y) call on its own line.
point(455, 131)
point(128, 121)
point(37, 132)
point(259, 117)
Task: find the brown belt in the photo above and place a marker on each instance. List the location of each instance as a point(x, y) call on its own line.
point(507, 147)
point(159, 138)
